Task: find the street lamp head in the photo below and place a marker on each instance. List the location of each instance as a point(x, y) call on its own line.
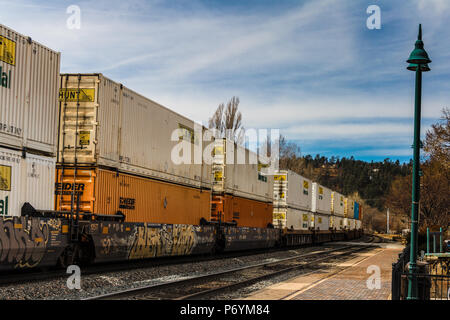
point(419, 55)
point(423, 67)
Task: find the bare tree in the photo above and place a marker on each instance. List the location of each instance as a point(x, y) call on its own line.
point(290, 158)
point(434, 184)
point(437, 143)
point(228, 121)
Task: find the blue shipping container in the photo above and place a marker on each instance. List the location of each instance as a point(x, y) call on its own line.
point(356, 209)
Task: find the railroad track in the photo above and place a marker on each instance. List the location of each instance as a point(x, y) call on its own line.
point(28, 276)
point(207, 285)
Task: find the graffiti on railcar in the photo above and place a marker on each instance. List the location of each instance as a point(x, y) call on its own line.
point(112, 241)
point(148, 241)
point(184, 240)
point(23, 242)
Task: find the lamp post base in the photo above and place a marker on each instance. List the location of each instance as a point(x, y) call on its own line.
point(412, 282)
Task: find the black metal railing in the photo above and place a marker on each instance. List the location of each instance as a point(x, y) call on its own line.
point(398, 268)
point(433, 279)
point(430, 286)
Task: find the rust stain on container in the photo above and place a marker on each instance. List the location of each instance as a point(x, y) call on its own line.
point(140, 199)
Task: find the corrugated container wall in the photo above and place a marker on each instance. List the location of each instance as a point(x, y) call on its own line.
point(352, 224)
point(336, 222)
point(247, 212)
point(348, 208)
point(28, 93)
point(140, 199)
point(321, 199)
point(337, 203)
point(29, 179)
point(121, 129)
point(298, 219)
point(237, 171)
point(293, 190)
point(321, 222)
point(356, 211)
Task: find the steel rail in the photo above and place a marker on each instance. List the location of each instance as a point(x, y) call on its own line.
point(143, 289)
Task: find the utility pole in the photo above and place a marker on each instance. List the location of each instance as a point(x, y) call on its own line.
point(387, 222)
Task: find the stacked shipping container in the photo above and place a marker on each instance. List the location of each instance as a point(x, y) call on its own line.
point(241, 191)
point(25, 179)
point(129, 155)
point(321, 206)
point(300, 204)
point(292, 201)
point(237, 171)
point(106, 124)
point(28, 122)
point(28, 93)
point(337, 210)
point(108, 130)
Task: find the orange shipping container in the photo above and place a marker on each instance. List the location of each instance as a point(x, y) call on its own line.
point(140, 199)
point(245, 212)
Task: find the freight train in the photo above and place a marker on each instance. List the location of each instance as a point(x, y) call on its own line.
point(91, 171)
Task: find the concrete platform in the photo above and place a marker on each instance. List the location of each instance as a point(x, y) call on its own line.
point(345, 281)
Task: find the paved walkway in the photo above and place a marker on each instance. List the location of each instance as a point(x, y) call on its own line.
point(345, 281)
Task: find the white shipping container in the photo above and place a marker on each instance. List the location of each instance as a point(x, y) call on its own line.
point(352, 224)
point(346, 223)
point(237, 172)
point(337, 203)
point(279, 218)
point(358, 225)
point(336, 222)
point(30, 179)
point(107, 124)
point(292, 190)
point(321, 199)
point(292, 218)
point(349, 207)
point(28, 93)
point(320, 221)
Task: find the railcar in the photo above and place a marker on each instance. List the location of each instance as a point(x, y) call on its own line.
point(105, 174)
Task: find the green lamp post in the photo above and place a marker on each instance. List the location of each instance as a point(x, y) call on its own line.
point(418, 61)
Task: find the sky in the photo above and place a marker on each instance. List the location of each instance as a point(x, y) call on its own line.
point(310, 68)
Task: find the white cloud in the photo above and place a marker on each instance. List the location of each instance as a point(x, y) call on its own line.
point(305, 70)
point(438, 6)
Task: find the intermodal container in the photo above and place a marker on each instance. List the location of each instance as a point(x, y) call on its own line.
point(358, 224)
point(140, 199)
point(242, 211)
point(292, 190)
point(356, 210)
point(345, 224)
point(106, 124)
point(336, 222)
point(291, 218)
point(25, 177)
point(28, 94)
point(348, 207)
point(321, 199)
point(239, 172)
point(352, 224)
point(321, 221)
point(337, 203)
